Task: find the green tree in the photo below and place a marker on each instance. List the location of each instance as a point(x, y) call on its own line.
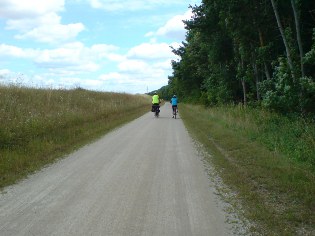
point(248, 51)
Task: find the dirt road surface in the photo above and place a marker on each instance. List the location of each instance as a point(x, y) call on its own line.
point(144, 178)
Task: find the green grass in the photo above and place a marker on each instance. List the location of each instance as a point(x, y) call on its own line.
point(266, 160)
point(38, 126)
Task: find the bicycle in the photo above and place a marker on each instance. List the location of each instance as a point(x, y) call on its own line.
point(174, 111)
point(156, 110)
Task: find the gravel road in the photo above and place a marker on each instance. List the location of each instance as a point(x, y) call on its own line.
point(144, 178)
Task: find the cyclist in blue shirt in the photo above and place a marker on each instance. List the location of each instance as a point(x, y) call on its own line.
point(174, 102)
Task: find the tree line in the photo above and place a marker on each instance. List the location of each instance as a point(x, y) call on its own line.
point(258, 52)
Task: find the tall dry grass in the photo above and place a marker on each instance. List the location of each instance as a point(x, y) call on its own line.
point(39, 125)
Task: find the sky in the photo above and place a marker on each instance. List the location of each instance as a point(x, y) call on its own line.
point(102, 45)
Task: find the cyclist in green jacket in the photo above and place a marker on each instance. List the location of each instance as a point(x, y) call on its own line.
point(155, 99)
point(155, 102)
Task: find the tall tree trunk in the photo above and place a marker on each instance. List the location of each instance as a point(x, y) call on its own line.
point(244, 91)
point(243, 84)
point(267, 71)
point(257, 81)
point(256, 73)
point(283, 38)
point(298, 35)
point(261, 40)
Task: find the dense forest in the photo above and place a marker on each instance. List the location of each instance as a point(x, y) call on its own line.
point(258, 53)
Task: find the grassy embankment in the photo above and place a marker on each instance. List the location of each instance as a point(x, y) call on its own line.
point(267, 162)
point(38, 126)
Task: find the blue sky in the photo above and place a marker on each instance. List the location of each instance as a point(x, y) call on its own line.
point(105, 45)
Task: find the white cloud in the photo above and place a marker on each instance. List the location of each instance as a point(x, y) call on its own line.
point(66, 64)
point(150, 34)
point(145, 65)
point(119, 81)
point(17, 9)
point(105, 51)
point(53, 33)
point(174, 28)
point(75, 57)
point(46, 28)
point(131, 5)
point(38, 20)
point(115, 57)
point(150, 51)
point(71, 58)
point(100, 66)
point(132, 66)
point(4, 72)
point(13, 51)
point(163, 65)
point(112, 76)
point(71, 82)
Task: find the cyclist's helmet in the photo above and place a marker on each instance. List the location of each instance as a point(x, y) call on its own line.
point(174, 96)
